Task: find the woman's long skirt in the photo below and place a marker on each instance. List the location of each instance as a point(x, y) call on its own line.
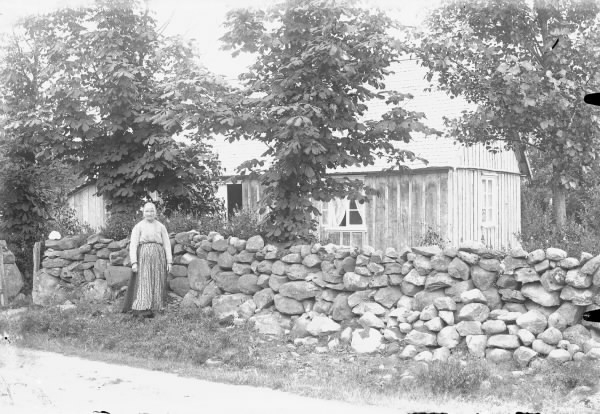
point(147, 288)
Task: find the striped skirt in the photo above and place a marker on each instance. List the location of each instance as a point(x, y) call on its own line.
point(148, 287)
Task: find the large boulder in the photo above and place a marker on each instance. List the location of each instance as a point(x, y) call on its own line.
point(537, 293)
point(198, 273)
point(13, 280)
point(474, 312)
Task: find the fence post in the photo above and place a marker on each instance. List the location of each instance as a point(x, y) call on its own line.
point(36, 257)
point(3, 293)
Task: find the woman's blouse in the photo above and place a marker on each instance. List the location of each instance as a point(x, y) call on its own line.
point(149, 232)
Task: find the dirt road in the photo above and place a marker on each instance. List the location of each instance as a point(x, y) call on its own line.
point(34, 382)
point(39, 382)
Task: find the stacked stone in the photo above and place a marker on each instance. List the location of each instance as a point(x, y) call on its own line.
point(420, 302)
point(93, 268)
point(13, 279)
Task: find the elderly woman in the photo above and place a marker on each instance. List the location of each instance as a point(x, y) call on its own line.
point(151, 258)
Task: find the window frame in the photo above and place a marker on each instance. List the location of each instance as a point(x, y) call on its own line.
point(493, 220)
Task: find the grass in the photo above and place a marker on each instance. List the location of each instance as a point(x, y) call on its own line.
point(189, 343)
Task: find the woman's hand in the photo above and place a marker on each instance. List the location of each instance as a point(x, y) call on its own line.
point(134, 268)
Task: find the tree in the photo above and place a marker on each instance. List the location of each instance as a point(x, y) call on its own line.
point(101, 88)
point(318, 63)
point(527, 65)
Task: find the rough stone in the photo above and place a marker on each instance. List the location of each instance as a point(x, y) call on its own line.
point(418, 339)
point(198, 273)
point(322, 325)
point(541, 347)
point(366, 340)
point(458, 269)
point(353, 282)
point(525, 336)
point(228, 305)
point(227, 281)
point(373, 307)
point(577, 334)
point(268, 324)
point(275, 281)
point(287, 305)
point(370, 320)
point(578, 279)
point(248, 284)
point(455, 291)
point(474, 312)
point(388, 296)
point(473, 296)
point(579, 297)
point(534, 321)
point(97, 291)
point(466, 328)
point(439, 281)
point(469, 258)
point(299, 290)
point(537, 293)
point(523, 356)
point(341, 311)
point(483, 279)
point(551, 336)
point(264, 298)
point(492, 327)
point(448, 337)
point(476, 344)
point(559, 355)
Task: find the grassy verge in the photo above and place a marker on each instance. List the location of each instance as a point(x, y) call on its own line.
point(195, 344)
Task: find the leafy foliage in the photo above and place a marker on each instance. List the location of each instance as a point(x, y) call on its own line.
point(527, 65)
point(102, 88)
point(318, 65)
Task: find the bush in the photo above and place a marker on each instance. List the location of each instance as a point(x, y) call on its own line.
point(539, 231)
point(119, 225)
point(66, 223)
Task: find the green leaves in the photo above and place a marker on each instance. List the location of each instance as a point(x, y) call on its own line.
point(107, 92)
point(501, 57)
point(319, 64)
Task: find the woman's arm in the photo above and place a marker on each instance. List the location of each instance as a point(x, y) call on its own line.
point(133, 244)
point(166, 243)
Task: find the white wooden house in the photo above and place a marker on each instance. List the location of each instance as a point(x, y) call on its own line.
point(462, 193)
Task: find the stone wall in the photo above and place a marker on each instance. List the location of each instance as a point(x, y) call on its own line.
point(13, 278)
point(419, 303)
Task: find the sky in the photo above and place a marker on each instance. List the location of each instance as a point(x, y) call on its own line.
point(202, 20)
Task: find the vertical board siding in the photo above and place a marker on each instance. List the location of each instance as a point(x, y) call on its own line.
point(89, 208)
point(477, 156)
point(469, 199)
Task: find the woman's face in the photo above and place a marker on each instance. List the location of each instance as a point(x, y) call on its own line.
point(149, 212)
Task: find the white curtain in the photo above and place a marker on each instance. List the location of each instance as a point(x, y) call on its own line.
point(361, 211)
point(339, 209)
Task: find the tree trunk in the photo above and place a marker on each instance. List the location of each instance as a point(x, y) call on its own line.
point(559, 204)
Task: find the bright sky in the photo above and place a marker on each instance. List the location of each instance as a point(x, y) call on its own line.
point(202, 20)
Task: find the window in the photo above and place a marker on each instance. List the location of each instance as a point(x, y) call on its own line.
point(488, 202)
point(343, 222)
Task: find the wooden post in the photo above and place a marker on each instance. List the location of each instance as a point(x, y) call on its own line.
point(36, 257)
point(3, 293)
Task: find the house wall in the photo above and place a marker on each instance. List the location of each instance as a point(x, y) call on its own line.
point(465, 190)
point(88, 207)
point(409, 206)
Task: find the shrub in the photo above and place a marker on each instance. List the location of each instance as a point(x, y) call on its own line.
point(65, 221)
point(119, 225)
point(565, 377)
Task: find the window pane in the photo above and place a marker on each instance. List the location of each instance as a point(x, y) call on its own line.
point(335, 237)
point(346, 239)
point(357, 239)
point(353, 205)
point(483, 215)
point(343, 222)
point(355, 217)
